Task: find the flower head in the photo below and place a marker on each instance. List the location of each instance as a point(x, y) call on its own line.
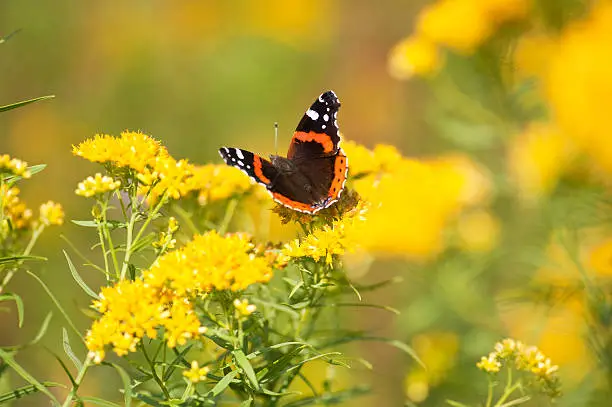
point(13, 166)
point(14, 209)
point(196, 373)
point(243, 307)
point(51, 213)
point(98, 184)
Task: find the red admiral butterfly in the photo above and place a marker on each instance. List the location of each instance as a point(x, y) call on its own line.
point(312, 176)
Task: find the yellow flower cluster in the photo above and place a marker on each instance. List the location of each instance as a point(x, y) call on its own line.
point(415, 201)
point(98, 184)
point(524, 358)
point(579, 84)
point(460, 25)
point(164, 297)
point(14, 210)
point(243, 307)
point(158, 173)
point(210, 261)
point(132, 309)
point(51, 213)
point(13, 166)
point(329, 241)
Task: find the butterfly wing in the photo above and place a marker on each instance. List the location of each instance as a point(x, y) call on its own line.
point(259, 169)
point(317, 134)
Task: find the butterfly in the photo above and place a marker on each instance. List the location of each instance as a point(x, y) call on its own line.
point(313, 174)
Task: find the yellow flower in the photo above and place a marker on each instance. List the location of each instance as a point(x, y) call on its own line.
point(478, 231)
point(243, 307)
point(183, 323)
point(196, 373)
point(538, 158)
point(51, 213)
point(413, 56)
point(131, 150)
point(98, 184)
point(208, 262)
point(216, 182)
point(525, 358)
point(579, 84)
point(458, 24)
point(13, 166)
point(14, 209)
point(600, 258)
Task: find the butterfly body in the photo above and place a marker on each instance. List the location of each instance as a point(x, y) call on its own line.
point(313, 174)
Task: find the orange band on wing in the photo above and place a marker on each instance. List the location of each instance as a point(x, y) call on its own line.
point(340, 168)
point(258, 172)
point(321, 138)
point(300, 206)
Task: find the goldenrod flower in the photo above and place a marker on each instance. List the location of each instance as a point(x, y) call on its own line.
point(182, 323)
point(414, 56)
point(196, 373)
point(13, 166)
point(98, 184)
point(243, 307)
point(478, 231)
point(51, 213)
point(216, 182)
point(131, 150)
point(14, 209)
point(208, 262)
point(523, 358)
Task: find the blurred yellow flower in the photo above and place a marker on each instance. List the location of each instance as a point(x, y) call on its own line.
point(132, 150)
point(210, 261)
point(14, 209)
point(98, 184)
point(243, 307)
point(196, 373)
point(13, 166)
point(533, 54)
point(600, 258)
point(538, 158)
point(216, 182)
point(51, 213)
point(414, 56)
point(478, 231)
point(579, 84)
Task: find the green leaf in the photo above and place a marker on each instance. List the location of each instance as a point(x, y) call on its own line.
point(516, 402)
point(125, 378)
point(456, 403)
point(361, 304)
point(42, 330)
point(329, 399)
point(243, 362)
point(99, 402)
point(149, 400)
point(246, 403)
point(18, 303)
point(78, 279)
point(66, 370)
point(68, 350)
point(24, 102)
point(24, 391)
point(8, 36)
point(172, 365)
point(12, 259)
point(7, 357)
point(34, 169)
point(222, 384)
point(85, 223)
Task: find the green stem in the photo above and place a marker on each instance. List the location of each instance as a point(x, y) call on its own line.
point(9, 275)
point(156, 377)
point(107, 234)
point(227, 218)
point(490, 393)
point(77, 382)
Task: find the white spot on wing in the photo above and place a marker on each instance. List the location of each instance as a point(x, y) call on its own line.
point(239, 154)
point(312, 114)
point(226, 150)
point(324, 127)
point(248, 166)
point(325, 117)
point(240, 163)
point(233, 159)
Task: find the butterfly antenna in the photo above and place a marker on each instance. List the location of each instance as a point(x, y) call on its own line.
point(276, 138)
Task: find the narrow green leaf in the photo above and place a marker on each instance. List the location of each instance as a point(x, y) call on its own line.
point(456, 403)
point(99, 402)
point(127, 388)
point(361, 304)
point(24, 391)
point(43, 329)
point(179, 357)
point(66, 370)
point(24, 102)
point(323, 355)
point(329, 399)
point(8, 36)
point(245, 365)
point(34, 169)
point(273, 393)
point(12, 259)
point(222, 384)
point(78, 279)
point(18, 303)
point(149, 400)
point(280, 307)
point(516, 402)
point(85, 223)
point(246, 403)
point(68, 350)
point(7, 357)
